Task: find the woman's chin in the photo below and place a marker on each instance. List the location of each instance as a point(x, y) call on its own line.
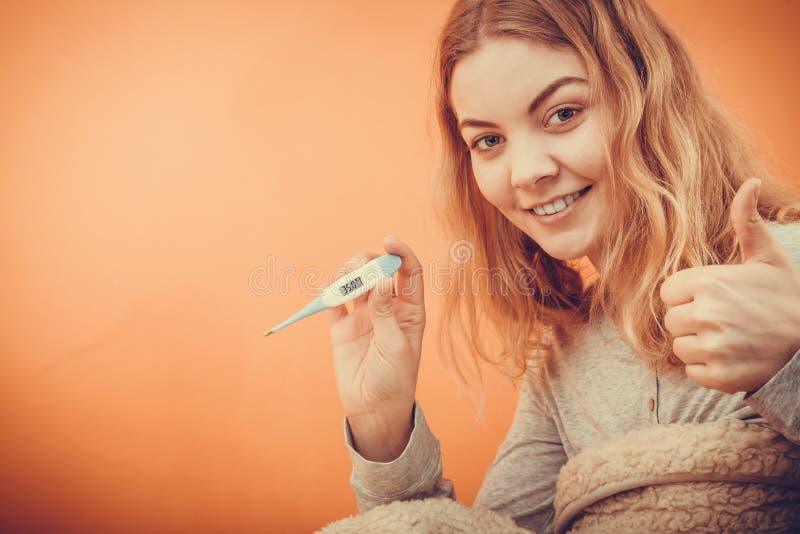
point(563, 251)
point(568, 257)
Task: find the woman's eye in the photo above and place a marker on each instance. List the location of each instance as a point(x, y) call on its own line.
point(490, 142)
point(487, 142)
point(564, 115)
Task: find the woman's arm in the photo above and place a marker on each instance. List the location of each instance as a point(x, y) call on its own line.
point(778, 400)
point(415, 474)
point(520, 482)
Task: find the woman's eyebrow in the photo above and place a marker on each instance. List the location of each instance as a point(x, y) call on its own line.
point(546, 92)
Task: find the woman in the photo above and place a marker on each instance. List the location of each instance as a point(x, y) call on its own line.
point(580, 129)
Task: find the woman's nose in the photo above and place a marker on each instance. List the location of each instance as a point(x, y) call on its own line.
point(529, 165)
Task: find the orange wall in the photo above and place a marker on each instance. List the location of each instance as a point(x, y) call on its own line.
point(156, 156)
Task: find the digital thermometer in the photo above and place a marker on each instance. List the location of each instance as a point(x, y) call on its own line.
point(346, 288)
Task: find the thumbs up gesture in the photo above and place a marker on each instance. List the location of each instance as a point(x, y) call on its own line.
point(736, 326)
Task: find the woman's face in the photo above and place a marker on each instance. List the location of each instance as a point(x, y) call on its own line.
point(523, 109)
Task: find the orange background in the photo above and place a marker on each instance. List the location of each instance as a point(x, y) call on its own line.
point(154, 158)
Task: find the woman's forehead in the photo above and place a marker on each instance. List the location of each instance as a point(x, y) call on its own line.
point(508, 69)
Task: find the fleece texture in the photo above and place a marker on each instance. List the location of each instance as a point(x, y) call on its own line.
point(727, 476)
point(423, 516)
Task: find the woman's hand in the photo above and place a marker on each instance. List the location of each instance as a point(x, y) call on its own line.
point(736, 326)
point(376, 354)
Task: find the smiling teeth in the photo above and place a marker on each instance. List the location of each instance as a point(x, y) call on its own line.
point(559, 205)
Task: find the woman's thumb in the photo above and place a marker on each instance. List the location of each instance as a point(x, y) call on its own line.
point(380, 307)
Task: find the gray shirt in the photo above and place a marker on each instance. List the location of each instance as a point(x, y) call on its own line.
point(605, 390)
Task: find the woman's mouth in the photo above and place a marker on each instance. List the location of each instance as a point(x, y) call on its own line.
point(557, 210)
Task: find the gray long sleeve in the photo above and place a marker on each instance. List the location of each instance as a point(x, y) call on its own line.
point(778, 401)
point(415, 474)
point(520, 482)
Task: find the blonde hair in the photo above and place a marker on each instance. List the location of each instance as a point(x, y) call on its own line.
point(675, 159)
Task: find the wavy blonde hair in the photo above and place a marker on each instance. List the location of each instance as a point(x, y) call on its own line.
point(675, 159)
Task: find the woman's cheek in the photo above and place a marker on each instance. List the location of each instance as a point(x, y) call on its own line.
point(490, 180)
point(587, 152)
point(491, 186)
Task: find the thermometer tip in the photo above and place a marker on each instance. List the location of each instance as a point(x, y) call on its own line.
point(268, 333)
